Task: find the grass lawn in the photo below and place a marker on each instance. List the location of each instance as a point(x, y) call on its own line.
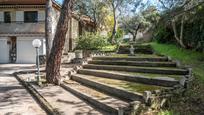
point(188, 57)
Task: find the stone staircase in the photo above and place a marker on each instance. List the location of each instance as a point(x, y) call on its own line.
point(119, 84)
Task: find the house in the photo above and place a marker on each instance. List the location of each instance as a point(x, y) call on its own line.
point(22, 21)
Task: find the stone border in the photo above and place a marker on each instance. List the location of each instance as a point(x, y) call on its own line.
point(133, 63)
point(138, 69)
point(37, 96)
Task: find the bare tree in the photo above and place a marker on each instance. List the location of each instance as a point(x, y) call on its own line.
point(114, 5)
point(54, 60)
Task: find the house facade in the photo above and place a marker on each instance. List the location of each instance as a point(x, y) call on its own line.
point(22, 21)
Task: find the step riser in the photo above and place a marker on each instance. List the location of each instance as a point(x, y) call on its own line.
point(91, 101)
point(143, 80)
point(133, 59)
point(140, 51)
point(134, 64)
point(141, 70)
point(136, 52)
point(122, 94)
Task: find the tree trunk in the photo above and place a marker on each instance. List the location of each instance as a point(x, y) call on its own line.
point(54, 60)
point(114, 25)
point(178, 39)
point(181, 32)
point(48, 27)
point(136, 30)
point(134, 38)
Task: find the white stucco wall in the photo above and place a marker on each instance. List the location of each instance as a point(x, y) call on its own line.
point(4, 50)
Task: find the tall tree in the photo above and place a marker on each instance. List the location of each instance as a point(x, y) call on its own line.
point(95, 9)
point(48, 27)
point(114, 5)
point(131, 25)
point(54, 60)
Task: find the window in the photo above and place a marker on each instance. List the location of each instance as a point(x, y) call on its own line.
point(30, 16)
point(7, 17)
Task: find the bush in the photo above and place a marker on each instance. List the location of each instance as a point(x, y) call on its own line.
point(163, 34)
point(91, 41)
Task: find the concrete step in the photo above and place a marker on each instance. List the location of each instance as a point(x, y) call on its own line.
point(159, 80)
point(156, 59)
point(133, 63)
point(109, 104)
point(170, 71)
point(110, 90)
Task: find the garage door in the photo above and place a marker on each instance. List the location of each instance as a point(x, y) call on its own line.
point(25, 51)
point(4, 51)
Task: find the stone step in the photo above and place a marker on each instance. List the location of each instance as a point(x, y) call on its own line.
point(170, 71)
point(145, 49)
point(133, 63)
point(109, 104)
point(142, 46)
point(110, 90)
point(156, 59)
point(161, 81)
point(137, 51)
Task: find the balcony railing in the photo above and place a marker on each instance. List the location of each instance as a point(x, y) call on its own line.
point(22, 27)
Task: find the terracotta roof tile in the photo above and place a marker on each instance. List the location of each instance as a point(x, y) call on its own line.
point(22, 2)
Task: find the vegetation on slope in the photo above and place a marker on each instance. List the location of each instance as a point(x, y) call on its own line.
point(192, 101)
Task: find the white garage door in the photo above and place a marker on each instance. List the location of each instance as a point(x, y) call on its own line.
point(25, 51)
point(4, 51)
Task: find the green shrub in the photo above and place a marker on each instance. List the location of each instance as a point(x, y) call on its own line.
point(163, 34)
point(91, 41)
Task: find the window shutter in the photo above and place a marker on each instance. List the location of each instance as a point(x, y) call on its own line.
point(1, 16)
point(41, 15)
point(19, 16)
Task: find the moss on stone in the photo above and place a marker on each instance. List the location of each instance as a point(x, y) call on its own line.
point(129, 86)
point(149, 75)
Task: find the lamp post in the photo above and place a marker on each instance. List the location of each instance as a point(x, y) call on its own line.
point(36, 44)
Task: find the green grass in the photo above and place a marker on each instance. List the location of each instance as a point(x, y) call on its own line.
point(109, 48)
point(187, 57)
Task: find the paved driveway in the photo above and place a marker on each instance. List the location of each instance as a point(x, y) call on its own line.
point(14, 99)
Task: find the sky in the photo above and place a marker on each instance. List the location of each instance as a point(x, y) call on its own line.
point(60, 1)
